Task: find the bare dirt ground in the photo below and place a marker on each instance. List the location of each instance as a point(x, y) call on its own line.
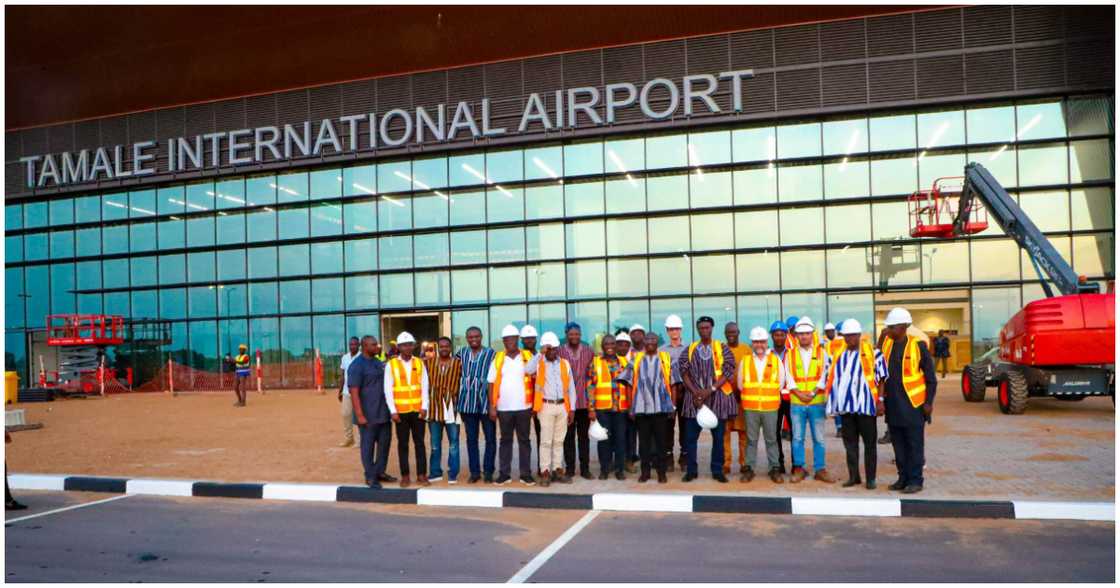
point(1057, 450)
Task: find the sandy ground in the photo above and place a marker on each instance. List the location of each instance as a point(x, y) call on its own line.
point(1056, 450)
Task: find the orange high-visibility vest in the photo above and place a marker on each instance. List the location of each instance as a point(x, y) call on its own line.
point(913, 381)
point(241, 361)
point(539, 383)
point(764, 395)
point(603, 388)
point(406, 390)
point(866, 357)
point(496, 387)
point(666, 369)
point(836, 345)
point(806, 381)
point(717, 363)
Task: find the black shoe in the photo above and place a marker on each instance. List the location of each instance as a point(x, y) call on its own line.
point(851, 482)
point(722, 479)
point(620, 476)
point(374, 485)
point(13, 505)
point(586, 475)
point(899, 485)
point(912, 489)
point(488, 478)
point(386, 478)
point(528, 481)
point(662, 478)
point(604, 475)
point(503, 479)
point(870, 484)
point(474, 479)
point(688, 477)
point(642, 479)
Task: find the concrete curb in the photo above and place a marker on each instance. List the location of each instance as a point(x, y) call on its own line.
point(611, 501)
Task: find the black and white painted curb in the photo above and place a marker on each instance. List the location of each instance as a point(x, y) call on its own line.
point(603, 501)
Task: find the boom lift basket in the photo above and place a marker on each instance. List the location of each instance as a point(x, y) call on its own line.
point(933, 211)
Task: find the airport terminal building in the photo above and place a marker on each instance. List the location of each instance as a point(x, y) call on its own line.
point(748, 176)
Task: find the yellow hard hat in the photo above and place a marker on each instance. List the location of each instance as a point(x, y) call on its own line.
point(243, 346)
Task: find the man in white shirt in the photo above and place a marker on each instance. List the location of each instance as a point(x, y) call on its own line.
point(554, 397)
point(406, 394)
point(347, 408)
point(511, 397)
point(805, 364)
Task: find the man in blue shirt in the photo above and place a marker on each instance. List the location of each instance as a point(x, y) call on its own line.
point(366, 378)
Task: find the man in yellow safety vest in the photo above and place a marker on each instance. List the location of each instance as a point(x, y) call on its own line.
point(241, 364)
point(804, 366)
point(907, 398)
point(760, 380)
point(406, 394)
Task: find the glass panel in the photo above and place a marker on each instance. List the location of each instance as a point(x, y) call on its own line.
point(142, 203)
point(506, 244)
point(13, 216)
point(848, 268)
point(360, 216)
point(666, 192)
point(945, 261)
point(113, 207)
point(668, 234)
point(468, 287)
point(295, 296)
point(172, 234)
point(758, 144)
point(230, 193)
point(504, 166)
point(200, 267)
point(394, 213)
point(847, 179)
point(995, 260)
point(114, 239)
point(1061, 243)
point(670, 275)
point(467, 170)
point(1092, 208)
point(88, 241)
point(712, 232)
point(626, 195)
point(87, 209)
point(233, 301)
point(501, 316)
point(62, 212)
point(262, 262)
point(326, 258)
point(592, 319)
point(548, 317)
point(758, 228)
point(710, 189)
point(509, 284)
point(294, 223)
point(802, 270)
point(200, 232)
point(429, 173)
point(172, 304)
point(142, 237)
point(431, 250)
point(1000, 161)
point(63, 286)
point(297, 260)
point(544, 162)
point(325, 183)
point(1048, 209)
point(468, 247)
point(547, 281)
point(326, 219)
point(991, 307)
point(430, 210)
point(1093, 255)
point(624, 313)
point(1090, 160)
point(587, 279)
point(360, 255)
point(395, 252)
point(583, 158)
point(757, 272)
point(625, 156)
point(394, 176)
point(359, 180)
point(1088, 115)
point(504, 205)
point(118, 303)
point(626, 236)
point(801, 226)
point(627, 277)
point(799, 182)
point(713, 274)
point(261, 225)
point(544, 241)
point(62, 243)
point(327, 294)
point(544, 201)
point(143, 272)
point(847, 224)
point(583, 198)
point(758, 311)
point(169, 200)
point(295, 336)
point(463, 320)
point(895, 175)
point(13, 249)
point(665, 151)
point(895, 264)
point(991, 125)
point(114, 274)
point(330, 338)
point(845, 137)
point(709, 148)
point(37, 288)
point(861, 307)
point(200, 196)
point(231, 264)
point(1041, 121)
point(802, 140)
point(585, 239)
point(1042, 165)
point(35, 213)
point(361, 292)
point(889, 133)
point(468, 208)
point(291, 187)
point(811, 304)
point(942, 165)
point(938, 129)
point(37, 245)
point(202, 301)
point(396, 290)
point(231, 228)
point(266, 337)
point(172, 270)
point(260, 190)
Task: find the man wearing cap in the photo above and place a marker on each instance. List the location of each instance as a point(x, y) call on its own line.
point(623, 345)
point(737, 424)
point(241, 364)
point(760, 381)
point(833, 344)
point(852, 386)
point(511, 402)
point(365, 376)
point(637, 344)
point(779, 334)
point(473, 405)
point(554, 395)
point(708, 370)
point(406, 393)
point(579, 356)
point(675, 347)
point(804, 367)
point(608, 403)
point(908, 395)
point(652, 377)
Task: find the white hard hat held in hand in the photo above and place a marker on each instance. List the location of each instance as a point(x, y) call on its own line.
point(706, 418)
point(597, 432)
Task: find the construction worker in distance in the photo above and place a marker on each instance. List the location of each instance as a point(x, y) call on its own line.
point(779, 334)
point(652, 377)
point(832, 344)
point(760, 380)
point(511, 403)
point(554, 401)
point(241, 365)
point(608, 403)
point(908, 395)
point(737, 424)
point(804, 367)
point(675, 347)
point(406, 394)
point(853, 388)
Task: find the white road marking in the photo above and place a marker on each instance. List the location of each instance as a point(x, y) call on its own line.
point(642, 502)
point(315, 492)
point(535, 564)
point(160, 487)
point(64, 509)
point(441, 497)
point(869, 507)
point(37, 481)
point(1082, 511)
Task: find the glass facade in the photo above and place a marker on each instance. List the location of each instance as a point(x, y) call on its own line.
point(751, 222)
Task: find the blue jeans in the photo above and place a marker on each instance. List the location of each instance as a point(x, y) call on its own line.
point(436, 429)
point(801, 418)
point(612, 452)
point(470, 424)
point(693, 436)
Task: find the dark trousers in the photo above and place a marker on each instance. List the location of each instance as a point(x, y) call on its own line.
point(631, 440)
point(694, 429)
point(783, 421)
point(682, 436)
point(612, 452)
point(853, 428)
point(909, 452)
point(653, 437)
point(410, 423)
point(578, 432)
point(670, 427)
point(514, 422)
point(375, 440)
point(537, 438)
point(471, 424)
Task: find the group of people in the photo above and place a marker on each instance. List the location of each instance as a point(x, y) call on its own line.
point(631, 396)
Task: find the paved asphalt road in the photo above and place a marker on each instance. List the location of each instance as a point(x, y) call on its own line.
point(144, 538)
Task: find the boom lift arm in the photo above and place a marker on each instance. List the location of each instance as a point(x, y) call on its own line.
point(979, 184)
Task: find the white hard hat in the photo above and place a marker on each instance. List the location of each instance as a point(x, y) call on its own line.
point(805, 325)
point(673, 322)
point(597, 432)
point(510, 331)
point(528, 331)
point(759, 334)
point(405, 337)
point(623, 337)
point(829, 327)
point(898, 316)
point(706, 418)
point(637, 327)
point(549, 340)
point(850, 327)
